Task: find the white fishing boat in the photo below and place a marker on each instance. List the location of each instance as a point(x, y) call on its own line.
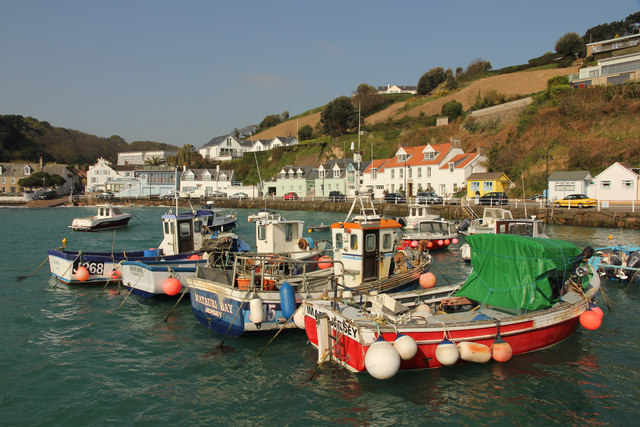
point(261, 292)
point(431, 234)
point(417, 213)
point(107, 217)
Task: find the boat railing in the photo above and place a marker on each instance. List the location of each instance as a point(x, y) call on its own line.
point(263, 271)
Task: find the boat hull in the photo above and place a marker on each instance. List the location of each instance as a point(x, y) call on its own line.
point(101, 224)
point(146, 279)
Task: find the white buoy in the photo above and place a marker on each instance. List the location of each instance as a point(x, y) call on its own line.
point(423, 308)
point(256, 313)
point(298, 318)
point(405, 346)
point(474, 352)
point(447, 353)
point(382, 360)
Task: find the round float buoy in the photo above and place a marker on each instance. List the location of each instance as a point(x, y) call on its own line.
point(405, 346)
point(430, 245)
point(446, 242)
point(591, 320)
point(171, 286)
point(414, 244)
point(194, 257)
point(382, 361)
point(115, 275)
point(596, 309)
point(256, 313)
point(440, 242)
point(287, 300)
point(474, 352)
point(610, 237)
point(427, 280)
point(501, 350)
point(423, 308)
point(325, 262)
point(447, 353)
point(454, 241)
point(298, 319)
point(82, 273)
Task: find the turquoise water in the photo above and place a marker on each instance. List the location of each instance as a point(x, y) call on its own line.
point(69, 356)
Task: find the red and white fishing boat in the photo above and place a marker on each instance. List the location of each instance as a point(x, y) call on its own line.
point(524, 294)
point(431, 234)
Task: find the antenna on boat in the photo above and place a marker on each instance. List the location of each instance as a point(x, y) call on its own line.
point(175, 188)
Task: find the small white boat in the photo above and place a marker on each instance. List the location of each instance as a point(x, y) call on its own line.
point(107, 217)
point(431, 234)
point(417, 213)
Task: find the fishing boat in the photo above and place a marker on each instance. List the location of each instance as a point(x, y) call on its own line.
point(417, 213)
point(523, 294)
point(148, 279)
point(183, 237)
point(319, 227)
point(262, 291)
point(620, 263)
point(107, 217)
point(486, 224)
point(219, 220)
point(431, 234)
point(531, 227)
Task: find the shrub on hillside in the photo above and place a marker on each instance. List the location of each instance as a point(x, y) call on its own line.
point(557, 80)
point(452, 109)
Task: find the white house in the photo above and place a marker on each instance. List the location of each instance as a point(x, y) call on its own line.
point(225, 147)
point(619, 181)
point(440, 167)
point(388, 89)
point(206, 181)
point(103, 171)
point(563, 183)
point(282, 141)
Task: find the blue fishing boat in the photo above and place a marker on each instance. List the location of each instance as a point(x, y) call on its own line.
point(620, 263)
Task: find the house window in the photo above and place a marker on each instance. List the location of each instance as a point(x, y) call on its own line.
point(474, 186)
point(605, 185)
point(410, 173)
point(451, 168)
point(321, 173)
point(400, 173)
point(27, 170)
point(374, 173)
point(402, 158)
point(228, 142)
point(336, 173)
point(487, 185)
point(429, 172)
point(4, 180)
point(419, 172)
point(627, 185)
point(392, 173)
point(430, 155)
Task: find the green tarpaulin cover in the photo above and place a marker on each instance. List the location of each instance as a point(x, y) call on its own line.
point(513, 271)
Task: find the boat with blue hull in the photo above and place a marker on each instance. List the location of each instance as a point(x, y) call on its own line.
point(620, 263)
point(262, 291)
point(183, 237)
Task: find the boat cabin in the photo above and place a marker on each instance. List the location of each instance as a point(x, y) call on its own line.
point(184, 232)
point(275, 234)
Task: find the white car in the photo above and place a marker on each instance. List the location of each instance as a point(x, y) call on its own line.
point(239, 195)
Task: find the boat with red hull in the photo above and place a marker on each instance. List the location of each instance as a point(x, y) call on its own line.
point(524, 294)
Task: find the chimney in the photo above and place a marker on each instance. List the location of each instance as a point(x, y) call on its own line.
point(455, 142)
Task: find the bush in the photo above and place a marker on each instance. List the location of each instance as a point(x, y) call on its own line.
point(557, 80)
point(452, 109)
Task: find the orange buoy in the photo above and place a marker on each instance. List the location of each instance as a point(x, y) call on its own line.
point(194, 257)
point(430, 244)
point(115, 274)
point(454, 241)
point(591, 320)
point(171, 286)
point(325, 262)
point(597, 309)
point(501, 350)
point(446, 242)
point(427, 280)
point(82, 273)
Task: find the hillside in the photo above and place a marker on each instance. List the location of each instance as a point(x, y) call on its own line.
point(511, 85)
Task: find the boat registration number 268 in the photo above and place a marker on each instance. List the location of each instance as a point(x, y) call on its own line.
point(93, 267)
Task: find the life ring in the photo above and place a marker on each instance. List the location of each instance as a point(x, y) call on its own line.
point(303, 244)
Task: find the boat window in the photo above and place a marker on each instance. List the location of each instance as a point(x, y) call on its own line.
point(387, 241)
point(288, 232)
point(166, 228)
point(521, 229)
point(185, 229)
point(197, 226)
point(370, 243)
point(338, 241)
point(116, 211)
point(101, 212)
point(262, 232)
point(354, 242)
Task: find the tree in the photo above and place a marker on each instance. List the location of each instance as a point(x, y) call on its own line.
point(305, 132)
point(430, 80)
point(452, 109)
point(269, 121)
point(154, 161)
point(368, 98)
point(41, 179)
point(571, 45)
point(338, 116)
point(186, 155)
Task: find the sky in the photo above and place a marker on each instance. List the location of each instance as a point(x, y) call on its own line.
point(184, 72)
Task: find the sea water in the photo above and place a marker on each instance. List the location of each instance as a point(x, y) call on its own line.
point(80, 356)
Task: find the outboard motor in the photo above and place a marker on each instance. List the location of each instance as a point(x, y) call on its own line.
point(615, 259)
point(464, 225)
point(634, 260)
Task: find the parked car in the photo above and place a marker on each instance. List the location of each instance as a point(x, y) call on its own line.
point(217, 194)
point(239, 195)
point(394, 198)
point(291, 195)
point(47, 195)
point(337, 196)
point(537, 197)
point(169, 196)
point(107, 195)
point(494, 198)
point(426, 197)
point(576, 200)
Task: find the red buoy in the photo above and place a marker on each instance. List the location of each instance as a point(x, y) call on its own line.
point(194, 257)
point(325, 262)
point(596, 309)
point(591, 320)
point(82, 274)
point(430, 244)
point(440, 242)
point(115, 275)
point(454, 241)
point(171, 286)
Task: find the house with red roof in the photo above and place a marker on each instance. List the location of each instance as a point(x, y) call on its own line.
point(442, 168)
